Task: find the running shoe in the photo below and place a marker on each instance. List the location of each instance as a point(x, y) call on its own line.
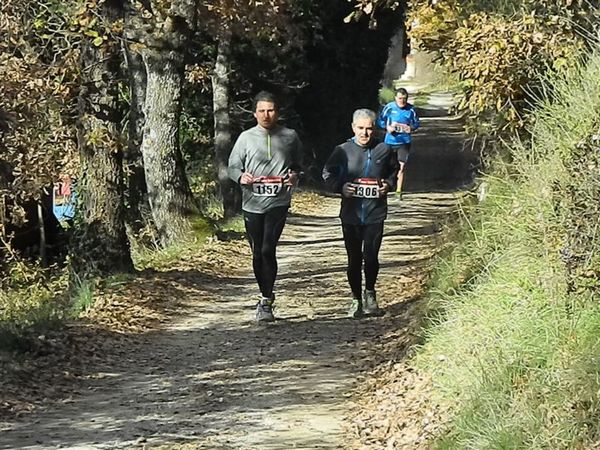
point(370, 306)
point(356, 310)
point(264, 310)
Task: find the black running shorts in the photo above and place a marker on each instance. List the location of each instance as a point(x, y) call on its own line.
point(402, 152)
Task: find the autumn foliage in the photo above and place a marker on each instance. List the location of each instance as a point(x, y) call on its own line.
point(501, 49)
point(36, 95)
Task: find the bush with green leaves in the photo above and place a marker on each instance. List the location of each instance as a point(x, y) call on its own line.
point(513, 344)
point(31, 300)
point(499, 49)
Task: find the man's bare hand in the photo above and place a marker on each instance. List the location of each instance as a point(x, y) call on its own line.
point(292, 178)
point(348, 189)
point(384, 188)
point(246, 178)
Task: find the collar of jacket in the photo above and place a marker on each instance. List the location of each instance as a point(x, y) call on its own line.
point(265, 131)
point(371, 145)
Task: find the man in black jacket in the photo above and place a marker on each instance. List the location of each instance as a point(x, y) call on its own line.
point(363, 171)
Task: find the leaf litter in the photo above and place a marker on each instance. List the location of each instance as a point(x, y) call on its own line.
point(389, 405)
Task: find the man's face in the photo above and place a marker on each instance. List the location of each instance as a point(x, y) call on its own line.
point(266, 114)
point(401, 99)
point(363, 130)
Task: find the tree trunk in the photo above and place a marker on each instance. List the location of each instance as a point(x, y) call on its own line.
point(42, 237)
point(164, 32)
point(101, 241)
point(230, 191)
point(169, 193)
point(137, 206)
point(395, 64)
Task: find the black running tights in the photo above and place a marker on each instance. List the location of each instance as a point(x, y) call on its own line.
point(362, 244)
point(264, 231)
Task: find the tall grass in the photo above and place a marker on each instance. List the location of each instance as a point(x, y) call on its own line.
point(161, 258)
point(30, 301)
point(514, 343)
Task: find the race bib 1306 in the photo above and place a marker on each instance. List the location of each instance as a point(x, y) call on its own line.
point(366, 188)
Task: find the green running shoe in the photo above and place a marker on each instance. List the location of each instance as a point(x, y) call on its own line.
point(356, 310)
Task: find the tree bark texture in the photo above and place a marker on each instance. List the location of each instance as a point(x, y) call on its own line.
point(230, 192)
point(101, 241)
point(169, 193)
point(162, 31)
point(137, 206)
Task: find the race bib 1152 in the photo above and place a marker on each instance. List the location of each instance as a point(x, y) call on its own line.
point(366, 188)
point(267, 186)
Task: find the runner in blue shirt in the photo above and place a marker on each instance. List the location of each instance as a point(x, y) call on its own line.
point(399, 119)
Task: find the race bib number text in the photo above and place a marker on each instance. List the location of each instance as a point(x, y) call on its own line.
point(267, 186)
point(366, 188)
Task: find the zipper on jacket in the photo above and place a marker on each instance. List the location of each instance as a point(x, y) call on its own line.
point(366, 169)
point(269, 155)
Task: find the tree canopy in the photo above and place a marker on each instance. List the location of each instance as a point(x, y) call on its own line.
point(63, 107)
point(501, 49)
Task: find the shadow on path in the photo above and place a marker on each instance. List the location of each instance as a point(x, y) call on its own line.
point(215, 380)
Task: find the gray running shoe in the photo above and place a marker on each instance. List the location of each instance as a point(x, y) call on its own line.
point(264, 311)
point(370, 306)
point(356, 310)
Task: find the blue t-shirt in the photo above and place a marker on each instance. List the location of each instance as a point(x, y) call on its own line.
point(394, 113)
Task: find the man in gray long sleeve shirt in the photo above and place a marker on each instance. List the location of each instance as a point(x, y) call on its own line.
point(265, 161)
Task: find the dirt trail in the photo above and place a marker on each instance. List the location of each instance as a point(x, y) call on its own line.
point(214, 379)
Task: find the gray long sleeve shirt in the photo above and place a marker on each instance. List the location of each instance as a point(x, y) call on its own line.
point(263, 152)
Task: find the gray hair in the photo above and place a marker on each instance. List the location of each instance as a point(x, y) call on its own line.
point(364, 113)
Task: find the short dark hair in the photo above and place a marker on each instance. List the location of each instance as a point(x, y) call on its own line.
point(265, 96)
point(401, 91)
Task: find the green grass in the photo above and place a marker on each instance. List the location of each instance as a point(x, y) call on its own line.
point(386, 95)
point(513, 344)
point(235, 224)
point(30, 301)
point(161, 258)
point(82, 296)
point(202, 228)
